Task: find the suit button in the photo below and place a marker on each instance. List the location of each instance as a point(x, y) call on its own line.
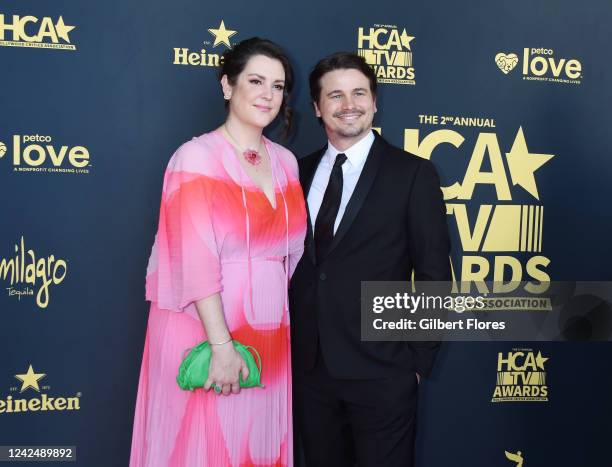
point(322, 276)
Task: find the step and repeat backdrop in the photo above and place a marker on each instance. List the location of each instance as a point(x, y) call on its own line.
point(510, 101)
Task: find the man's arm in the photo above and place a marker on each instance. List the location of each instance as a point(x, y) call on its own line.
point(429, 246)
point(429, 240)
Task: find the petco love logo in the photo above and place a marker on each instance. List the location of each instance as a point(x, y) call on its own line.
point(39, 154)
point(540, 64)
point(506, 63)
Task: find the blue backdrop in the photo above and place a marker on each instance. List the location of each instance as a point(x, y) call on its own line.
point(510, 100)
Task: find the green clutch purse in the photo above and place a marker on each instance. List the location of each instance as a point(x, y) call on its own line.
point(193, 371)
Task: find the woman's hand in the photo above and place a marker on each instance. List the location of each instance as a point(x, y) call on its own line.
point(226, 365)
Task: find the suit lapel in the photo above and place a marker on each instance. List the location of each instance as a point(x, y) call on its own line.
point(307, 172)
point(366, 179)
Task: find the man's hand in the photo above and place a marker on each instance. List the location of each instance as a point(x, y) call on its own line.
point(418, 378)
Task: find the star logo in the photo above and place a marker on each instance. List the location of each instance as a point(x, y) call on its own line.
point(30, 379)
point(222, 35)
point(63, 30)
point(540, 360)
point(523, 164)
point(405, 38)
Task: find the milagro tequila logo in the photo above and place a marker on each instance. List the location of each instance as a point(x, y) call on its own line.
point(186, 56)
point(30, 275)
point(41, 401)
point(388, 51)
point(520, 377)
point(39, 154)
point(501, 239)
point(516, 457)
point(31, 31)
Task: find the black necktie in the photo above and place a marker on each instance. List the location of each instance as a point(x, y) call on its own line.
point(324, 225)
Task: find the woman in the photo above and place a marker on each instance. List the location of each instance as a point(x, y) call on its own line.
point(231, 230)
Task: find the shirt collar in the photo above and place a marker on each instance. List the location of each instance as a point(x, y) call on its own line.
point(356, 154)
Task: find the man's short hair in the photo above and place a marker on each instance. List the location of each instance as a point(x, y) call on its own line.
point(339, 61)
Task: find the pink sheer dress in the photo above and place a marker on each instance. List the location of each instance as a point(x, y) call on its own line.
point(219, 233)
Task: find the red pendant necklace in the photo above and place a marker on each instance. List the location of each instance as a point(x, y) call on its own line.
point(252, 156)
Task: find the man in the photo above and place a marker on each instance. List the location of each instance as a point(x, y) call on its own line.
point(375, 214)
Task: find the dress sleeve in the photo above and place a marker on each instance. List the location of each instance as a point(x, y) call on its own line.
point(184, 266)
point(295, 254)
point(297, 206)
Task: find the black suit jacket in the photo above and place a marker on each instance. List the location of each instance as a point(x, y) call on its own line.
point(394, 222)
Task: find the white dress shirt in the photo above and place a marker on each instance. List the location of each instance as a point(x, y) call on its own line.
point(351, 170)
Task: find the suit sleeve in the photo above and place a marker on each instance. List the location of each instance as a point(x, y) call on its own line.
point(429, 246)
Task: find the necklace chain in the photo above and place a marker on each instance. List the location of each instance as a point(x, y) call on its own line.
point(238, 145)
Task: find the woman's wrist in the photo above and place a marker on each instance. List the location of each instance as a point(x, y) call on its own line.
point(222, 342)
point(222, 348)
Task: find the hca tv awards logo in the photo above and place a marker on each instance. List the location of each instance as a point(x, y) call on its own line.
point(521, 376)
point(39, 154)
point(40, 401)
point(387, 50)
point(29, 275)
point(540, 64)
point(221, 35)
point(31, 31)
point(501, 240)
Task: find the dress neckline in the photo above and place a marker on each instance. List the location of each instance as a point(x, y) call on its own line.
point(243, 173)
